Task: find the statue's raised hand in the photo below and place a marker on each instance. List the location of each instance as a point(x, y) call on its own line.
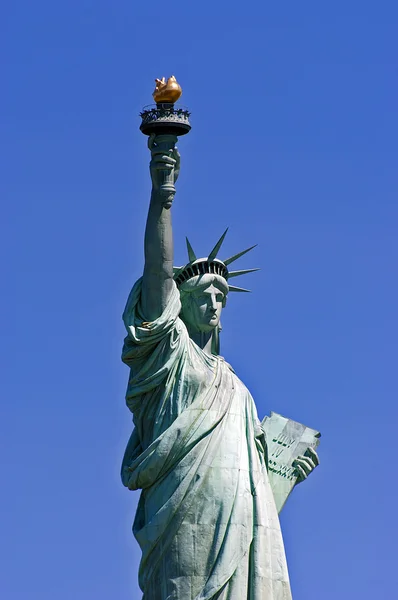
point(164, 166)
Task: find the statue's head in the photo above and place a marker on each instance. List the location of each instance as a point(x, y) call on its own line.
point(202, 299)
point(203, 285)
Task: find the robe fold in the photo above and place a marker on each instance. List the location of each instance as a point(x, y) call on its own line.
point(206, 520)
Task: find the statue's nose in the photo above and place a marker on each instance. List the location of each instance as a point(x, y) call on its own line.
point(213, 306)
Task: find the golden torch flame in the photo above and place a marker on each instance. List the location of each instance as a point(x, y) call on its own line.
point(167, 91)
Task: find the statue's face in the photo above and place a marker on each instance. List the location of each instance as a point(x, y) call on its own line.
point(202, 309)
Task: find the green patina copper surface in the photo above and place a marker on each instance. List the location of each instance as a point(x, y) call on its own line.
point(211, 485)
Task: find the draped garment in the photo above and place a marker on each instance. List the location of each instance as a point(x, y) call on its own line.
point(206, 520)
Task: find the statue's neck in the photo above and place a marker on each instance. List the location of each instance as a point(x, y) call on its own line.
point(204, 340)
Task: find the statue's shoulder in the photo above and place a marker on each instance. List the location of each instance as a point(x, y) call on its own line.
point(226, 364)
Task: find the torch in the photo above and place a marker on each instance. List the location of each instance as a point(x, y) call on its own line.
point(167, 123)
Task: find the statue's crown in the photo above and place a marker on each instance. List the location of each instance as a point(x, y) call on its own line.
point(212, 265)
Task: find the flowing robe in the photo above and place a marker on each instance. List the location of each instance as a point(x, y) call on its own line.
point(206, 520)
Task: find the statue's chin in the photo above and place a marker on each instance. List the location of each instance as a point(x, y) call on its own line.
point(195, 328)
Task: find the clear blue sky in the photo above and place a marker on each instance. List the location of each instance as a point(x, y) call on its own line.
point(294, 146)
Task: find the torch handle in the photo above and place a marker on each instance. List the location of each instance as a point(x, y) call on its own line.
point(164, 145)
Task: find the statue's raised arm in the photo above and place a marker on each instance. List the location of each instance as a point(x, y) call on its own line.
point(158, 271)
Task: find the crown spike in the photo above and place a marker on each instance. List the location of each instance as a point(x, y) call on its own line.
point(236, 256)
point(242, 272)
point(233, 288)
point(191, 253)
point(217, 247)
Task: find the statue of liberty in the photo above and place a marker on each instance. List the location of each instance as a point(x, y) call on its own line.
point(207, 521)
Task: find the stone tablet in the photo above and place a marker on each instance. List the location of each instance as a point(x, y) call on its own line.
point(286, 440)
